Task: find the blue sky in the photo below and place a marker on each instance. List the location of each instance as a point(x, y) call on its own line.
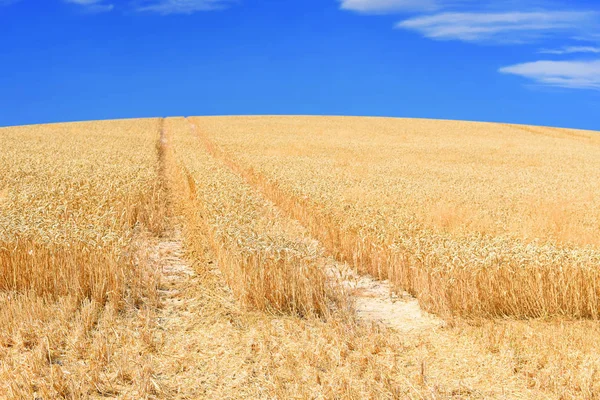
point(529, 61)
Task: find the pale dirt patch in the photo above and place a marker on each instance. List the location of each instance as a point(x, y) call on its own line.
point(171, 258)
point(176, 274)
point(376, 301)
point(175, 271)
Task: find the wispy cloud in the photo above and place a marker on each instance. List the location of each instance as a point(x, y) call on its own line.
point(566, 74)
point(388, 6)
point(512, 27)
point(166, 7)
point(513, 22)
point(571, 50)
point(93, 6)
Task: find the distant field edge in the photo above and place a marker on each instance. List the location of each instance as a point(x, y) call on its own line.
point(375, 117)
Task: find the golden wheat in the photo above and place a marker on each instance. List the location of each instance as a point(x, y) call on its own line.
point(477, 220)
point(75, 202)
point(433, 205)
point(73, 196)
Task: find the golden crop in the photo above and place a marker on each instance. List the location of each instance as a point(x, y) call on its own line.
point(473, 219)
point(72, 198)
point(495, 228)
point(76, 199)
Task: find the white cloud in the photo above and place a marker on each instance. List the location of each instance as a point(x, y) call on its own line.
point(388, 6)
point(571, 50)
point(507, 22)
point(181, 6)
point(567, 74)
point(512, 27)
point(93, 6)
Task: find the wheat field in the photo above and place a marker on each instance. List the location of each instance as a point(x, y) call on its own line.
point(222, 257)
point(473, 219)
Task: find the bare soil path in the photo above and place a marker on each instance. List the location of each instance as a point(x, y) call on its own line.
point(375, 301)
point(193, 314)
